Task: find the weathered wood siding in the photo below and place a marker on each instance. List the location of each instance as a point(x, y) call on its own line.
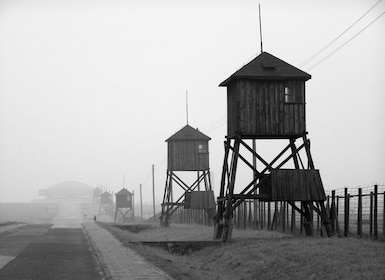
point(183, 155)
point(199, 200)
point(258, 108)
point(296, 185)
point(123, 201)
point(293, 185)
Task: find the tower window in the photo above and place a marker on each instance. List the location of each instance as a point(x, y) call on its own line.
point(202, 149)
point(294, 92)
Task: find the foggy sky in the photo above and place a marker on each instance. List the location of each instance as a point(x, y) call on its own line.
point(90, 90)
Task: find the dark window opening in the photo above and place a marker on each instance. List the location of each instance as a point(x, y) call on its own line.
point(202, 149)
point(294, 92)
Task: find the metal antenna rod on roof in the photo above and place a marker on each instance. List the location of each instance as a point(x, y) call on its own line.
point(186, 107)
point(260, 27)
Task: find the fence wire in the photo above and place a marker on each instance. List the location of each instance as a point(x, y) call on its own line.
point(281, 216)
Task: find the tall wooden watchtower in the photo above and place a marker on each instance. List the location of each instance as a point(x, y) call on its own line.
point(266, 101)
point(124, 206)
point(188, 151)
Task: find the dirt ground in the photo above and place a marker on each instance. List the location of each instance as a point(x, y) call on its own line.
point(257, 254)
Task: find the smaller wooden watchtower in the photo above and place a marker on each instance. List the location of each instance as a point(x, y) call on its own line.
point(106, 204)
point(188, 151)
point(124, 206)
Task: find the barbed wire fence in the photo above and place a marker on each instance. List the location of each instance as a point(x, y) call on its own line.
point(352, 211)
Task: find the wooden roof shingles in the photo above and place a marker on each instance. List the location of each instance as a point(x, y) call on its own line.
point(267, 67)
point(188, 133)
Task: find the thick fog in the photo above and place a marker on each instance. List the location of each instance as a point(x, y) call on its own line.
point(90, 90)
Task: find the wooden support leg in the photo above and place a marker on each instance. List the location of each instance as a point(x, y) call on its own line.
point(308, 221)
point(227, 229)
point(326, 223)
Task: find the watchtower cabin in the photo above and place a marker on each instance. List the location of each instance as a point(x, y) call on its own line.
point(187, 151)
point(106, 205)
point(266, 100)
point(124, 206)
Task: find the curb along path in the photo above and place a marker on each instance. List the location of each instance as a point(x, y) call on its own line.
point(118, 261)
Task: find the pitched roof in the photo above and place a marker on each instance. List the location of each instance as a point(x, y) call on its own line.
point(267, 67)
point(123, 192)
point(188, 133)
point(106, 193)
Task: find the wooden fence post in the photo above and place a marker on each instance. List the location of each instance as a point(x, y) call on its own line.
point(301, 221)
point(375, 211)
point(337, 219)
point(371, 215)
point(359, 214)
point(333, 212)
point(262, 213)
point(250, 216)
point(383, 216)
point(244, 214)
point(346, 220)
point(255, 224)
point(268, 215)
point(283, 214)
point(292, 227)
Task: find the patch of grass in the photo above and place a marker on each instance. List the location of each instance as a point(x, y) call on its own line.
point(260, 255)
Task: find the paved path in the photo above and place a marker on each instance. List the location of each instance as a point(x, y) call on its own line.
point(46, 253)
point(120, 262)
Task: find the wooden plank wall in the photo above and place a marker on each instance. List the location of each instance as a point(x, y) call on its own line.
point(123, 201)
point(202, 200)
point(257, 107)
point(296, 185)
point(183, 156)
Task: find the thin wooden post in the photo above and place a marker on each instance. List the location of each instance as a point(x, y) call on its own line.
point(141, 204)
point(371, 215)
point(333, 212)
point(274, 223)
point(261, 213)
point(244, 214)
point(255, 224)
point(235, 217)
point(250, 216)
point(375, 211)
point(292, 227)
point(256, 213)
point(153, 190)
point(346, 220)
point(383, 216)
point(268, 215)
point(318, 222)
point(301, 221)
point(287, 215)
point(283, 214)
point(337, 214)
point(359, 214)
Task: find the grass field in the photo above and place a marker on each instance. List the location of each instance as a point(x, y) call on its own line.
point(257, 254)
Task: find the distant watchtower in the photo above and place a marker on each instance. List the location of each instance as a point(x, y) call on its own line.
point(188, 150)
point(124, 206)
point(106, 204)
point(266, 101)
